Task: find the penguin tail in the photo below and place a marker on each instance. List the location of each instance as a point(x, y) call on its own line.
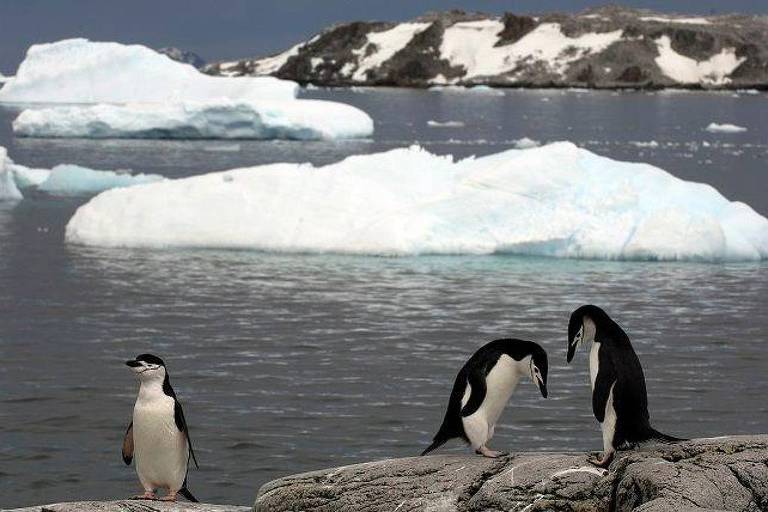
point(188, 495)
point(655, 435)
point(436, 443)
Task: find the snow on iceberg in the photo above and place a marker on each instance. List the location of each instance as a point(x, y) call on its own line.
point(63, 180)
point(81, 71)
point(724, 128)
point(555, 200)
point(216, 119)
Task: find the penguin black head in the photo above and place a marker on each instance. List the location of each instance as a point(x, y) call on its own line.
point(582, 327)
point(539, 369)
point(147, 366)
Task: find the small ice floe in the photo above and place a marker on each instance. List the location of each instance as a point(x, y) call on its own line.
point(445, 124)
point(644, 144)
point(223, 148)
point(724, 128)
point(63, 180)
point(526, 143)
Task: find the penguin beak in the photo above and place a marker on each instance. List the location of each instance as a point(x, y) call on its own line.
point(133, 363)
point(543, 389)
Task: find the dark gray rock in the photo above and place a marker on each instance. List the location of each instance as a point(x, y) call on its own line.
point(183, 56)
point(131, 506)
point(700, 475)
point(332, 57)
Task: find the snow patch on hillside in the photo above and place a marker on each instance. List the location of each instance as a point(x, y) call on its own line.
point(472, 45)
point(382, 46)
point(713, 71)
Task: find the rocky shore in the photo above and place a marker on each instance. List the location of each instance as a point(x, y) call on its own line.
point(607, 47)
point(702, 475)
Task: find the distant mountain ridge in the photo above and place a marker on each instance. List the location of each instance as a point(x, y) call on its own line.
point(183, 56)
point(607, 47)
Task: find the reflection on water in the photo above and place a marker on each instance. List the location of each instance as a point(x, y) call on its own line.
point(292, 363)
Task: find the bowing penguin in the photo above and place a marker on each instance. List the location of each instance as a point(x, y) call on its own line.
point(482, 389)
point(619, 397)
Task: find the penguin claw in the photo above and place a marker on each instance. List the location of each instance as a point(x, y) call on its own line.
point(145, 496)
point(169, 497)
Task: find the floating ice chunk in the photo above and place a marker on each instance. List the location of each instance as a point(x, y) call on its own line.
point(445, 124)
point(217, 119)
point(81, 71)
point(63, 180)
point(526, 143)
point(644, 144)
point(556, 200)
point(8, 189)
point(27, 177)
point(73, 180)
point(4, 78)
point(724, 128)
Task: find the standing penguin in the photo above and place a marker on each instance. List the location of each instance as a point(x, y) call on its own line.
point(483, 387)
point(158, 437)
point(619, 398)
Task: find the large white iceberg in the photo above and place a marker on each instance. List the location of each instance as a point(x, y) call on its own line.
point(81, 71)
point(555, 200)
point(216, 119)
point(62, 180)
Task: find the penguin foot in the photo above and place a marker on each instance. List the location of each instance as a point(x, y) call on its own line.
point(146, 496)
point(601, 463)
point(491, 454)
point(169, 497)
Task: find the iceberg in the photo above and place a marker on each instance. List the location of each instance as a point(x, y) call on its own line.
point(63, 180)
point(81, 71)
point(8, 189)
point(556, 200)
point(215, 119)
point(724, 128)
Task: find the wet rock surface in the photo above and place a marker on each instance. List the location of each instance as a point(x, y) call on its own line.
point(700, 475)
point(700, 46)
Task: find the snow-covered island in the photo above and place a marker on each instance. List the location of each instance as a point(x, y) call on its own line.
point(607, 47)
point(556, 200)
point(131, 91)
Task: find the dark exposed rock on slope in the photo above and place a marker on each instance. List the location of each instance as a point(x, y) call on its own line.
point(609, 47)
point(701, 475)
point(183, 56)
point(131, 506)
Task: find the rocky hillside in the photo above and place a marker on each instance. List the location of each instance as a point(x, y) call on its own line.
point(609, 47)
point(705, 475)
point(184, 56)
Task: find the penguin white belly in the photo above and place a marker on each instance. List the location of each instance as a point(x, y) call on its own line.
point(160, 449)
point(500, 382)
point(594, 363)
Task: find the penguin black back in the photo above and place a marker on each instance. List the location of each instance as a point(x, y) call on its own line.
point(619, 373)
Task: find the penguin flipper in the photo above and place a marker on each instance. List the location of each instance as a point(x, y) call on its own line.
point(478, 390)
point(128, 445)
point(181, 424)
point(603, 383)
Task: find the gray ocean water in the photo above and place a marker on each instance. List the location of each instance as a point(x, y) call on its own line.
point(292, 363)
